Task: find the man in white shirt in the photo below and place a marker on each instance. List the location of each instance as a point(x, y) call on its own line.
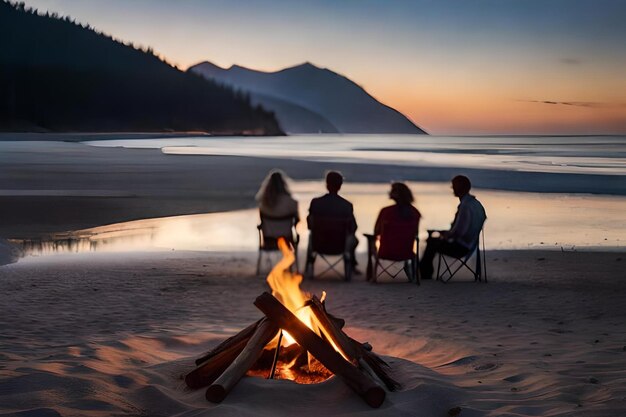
point(463, 235)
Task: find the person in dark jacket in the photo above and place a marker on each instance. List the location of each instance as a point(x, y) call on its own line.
point(332, 205)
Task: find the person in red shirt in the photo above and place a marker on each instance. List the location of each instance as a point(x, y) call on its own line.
point(402, 215)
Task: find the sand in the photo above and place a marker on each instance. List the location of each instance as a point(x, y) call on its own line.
point(112, 334)
point(102, 334)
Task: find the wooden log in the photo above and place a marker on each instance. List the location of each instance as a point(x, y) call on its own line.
point(370, 391)
point(213, 367)
point(264, 333)
point(340, 339)
point(352, 349)
point(245, 334)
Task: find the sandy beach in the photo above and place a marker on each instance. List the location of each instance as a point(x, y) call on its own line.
point(113, 333)
point(231, 208)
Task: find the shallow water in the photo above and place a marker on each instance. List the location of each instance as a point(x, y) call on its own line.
point(550, 154)
point(515, 221)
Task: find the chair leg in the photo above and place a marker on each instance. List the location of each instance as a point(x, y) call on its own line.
point(485, 268)
point(477, 273)
point(376, 265)
point(484, 258)
point(371, 250)
point(258, 263)
point(309, 266)
point(439, 267)
point(347, 267)
point(417, 261)
point(408, 270)
point(416, 270)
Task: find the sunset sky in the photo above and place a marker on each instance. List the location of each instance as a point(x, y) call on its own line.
point(453, 67)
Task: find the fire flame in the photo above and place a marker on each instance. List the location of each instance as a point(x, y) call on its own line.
point(285, 287)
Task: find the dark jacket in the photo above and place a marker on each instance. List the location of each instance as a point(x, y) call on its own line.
point(331, 205)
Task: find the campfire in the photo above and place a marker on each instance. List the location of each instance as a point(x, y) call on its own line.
point(297, 339)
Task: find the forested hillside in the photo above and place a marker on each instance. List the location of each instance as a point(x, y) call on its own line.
point(59, 75)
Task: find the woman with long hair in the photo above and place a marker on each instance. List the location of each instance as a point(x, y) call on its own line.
point(278, 209)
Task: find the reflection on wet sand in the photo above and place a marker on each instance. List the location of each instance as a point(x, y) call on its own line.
point(515, 221)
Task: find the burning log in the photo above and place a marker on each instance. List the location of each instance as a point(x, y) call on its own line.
point(213, 363)
point(370, 391)
point(351, 348)
point(265, 331)
point(341, 340)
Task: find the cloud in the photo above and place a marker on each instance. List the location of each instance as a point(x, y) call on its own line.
point(571, 103)
point(570, 61)
point(590, 104)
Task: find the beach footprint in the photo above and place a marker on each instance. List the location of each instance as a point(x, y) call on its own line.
point(486, 367)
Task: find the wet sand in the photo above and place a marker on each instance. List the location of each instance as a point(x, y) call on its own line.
point(58, 186)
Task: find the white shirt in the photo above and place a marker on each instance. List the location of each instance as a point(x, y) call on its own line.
point(468, 221)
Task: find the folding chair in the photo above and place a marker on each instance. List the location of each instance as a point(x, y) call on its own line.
point(398, 243)
point(270, 229)
point(456, 263)
point(329, 237)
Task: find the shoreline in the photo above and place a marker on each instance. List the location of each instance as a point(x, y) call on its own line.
point(60, 186)
point(55, 136)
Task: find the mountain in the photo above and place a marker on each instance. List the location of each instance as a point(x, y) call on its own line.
point(331, 99)
point(57, 75)
point(293, 117)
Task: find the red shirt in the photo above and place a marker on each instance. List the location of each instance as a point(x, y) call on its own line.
point(397, 227)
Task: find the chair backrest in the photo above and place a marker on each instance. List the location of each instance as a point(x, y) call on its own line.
point(397, 240)
point(329, 234)
point(276, 227)
point(271, 228)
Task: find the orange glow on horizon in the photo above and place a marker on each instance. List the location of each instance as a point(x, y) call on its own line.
point(473, 113)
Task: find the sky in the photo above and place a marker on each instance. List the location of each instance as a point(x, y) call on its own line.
point(454, 67)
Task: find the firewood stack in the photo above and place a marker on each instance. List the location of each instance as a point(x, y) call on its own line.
point(221, 368)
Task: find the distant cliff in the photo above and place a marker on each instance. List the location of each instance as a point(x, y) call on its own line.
point(58, 75)
point(326, 101)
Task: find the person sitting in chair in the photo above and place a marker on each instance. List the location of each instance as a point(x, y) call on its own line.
point(332, 205)
point(278, 209)
point(396, 231)
point(461, 237)
point(402, 211)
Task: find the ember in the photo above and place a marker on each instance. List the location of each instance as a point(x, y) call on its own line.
point(296, 340)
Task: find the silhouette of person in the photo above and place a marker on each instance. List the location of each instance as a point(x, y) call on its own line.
point(332, 205)
point(465, 229)
point(278, 209)
point(400, 212)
